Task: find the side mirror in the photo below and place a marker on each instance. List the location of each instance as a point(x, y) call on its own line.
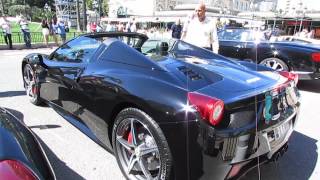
point(36, 59)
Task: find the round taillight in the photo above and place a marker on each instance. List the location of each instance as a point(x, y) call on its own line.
point(217, 113)
point(209, 108)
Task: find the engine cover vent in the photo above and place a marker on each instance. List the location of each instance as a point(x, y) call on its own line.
point(190, 73)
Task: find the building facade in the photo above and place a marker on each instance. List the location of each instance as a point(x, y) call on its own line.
point(127, 8)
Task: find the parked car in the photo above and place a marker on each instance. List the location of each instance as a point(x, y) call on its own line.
point(248, 44)
point(176, 112)
point(21, 155)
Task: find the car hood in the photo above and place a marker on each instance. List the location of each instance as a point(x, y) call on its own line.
point(221, 74)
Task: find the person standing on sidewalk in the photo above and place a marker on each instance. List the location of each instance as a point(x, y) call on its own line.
point(176, 29)
point(62, 31)
point(6, 27)
point(26, 32)
point(53, 29)
point(45, 31)
point(201, 31)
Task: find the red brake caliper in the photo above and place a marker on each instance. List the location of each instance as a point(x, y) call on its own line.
point(130, 138)
point(34, 89)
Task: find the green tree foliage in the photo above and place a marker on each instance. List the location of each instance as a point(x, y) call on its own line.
point(7, 4)
point(19, 9)
point(37, 14)
point(89, 4)
point(105, 7)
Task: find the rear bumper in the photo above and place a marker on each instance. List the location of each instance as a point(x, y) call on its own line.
point(221, 155)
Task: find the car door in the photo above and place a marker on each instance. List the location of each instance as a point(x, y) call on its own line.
point(64, 66)
point(96, 89)
point(231, 44)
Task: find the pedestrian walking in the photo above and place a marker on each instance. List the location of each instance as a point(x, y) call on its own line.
point(93, 27)
point(53, 26)
point(176, 30)
point(120, 27)
point(25, 30)
point(99, 28)
point(201, 31)
point(6, 29)
point(45, 31)
point(62, 31)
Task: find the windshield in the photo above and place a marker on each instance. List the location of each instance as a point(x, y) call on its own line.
point(182, 48)
point(241, 35)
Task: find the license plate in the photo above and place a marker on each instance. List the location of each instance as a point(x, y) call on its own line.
point(278, 133)
point(281, 130)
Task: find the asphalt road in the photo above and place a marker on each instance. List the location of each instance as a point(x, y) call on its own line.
point(75, 156)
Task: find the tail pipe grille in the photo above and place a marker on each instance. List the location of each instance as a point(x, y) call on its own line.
point(229, 148)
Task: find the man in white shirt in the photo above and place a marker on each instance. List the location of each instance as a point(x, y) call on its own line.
point(201, 31)
point(6, 28)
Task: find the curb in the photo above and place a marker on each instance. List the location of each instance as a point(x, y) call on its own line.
point(22, 46)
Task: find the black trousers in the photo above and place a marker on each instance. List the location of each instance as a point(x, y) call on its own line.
point(8, 40)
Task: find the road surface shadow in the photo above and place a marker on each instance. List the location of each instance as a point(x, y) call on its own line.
point(297, 163)
point(60, 168)
point(45, 126)
point(309, 85)
point(12, 93)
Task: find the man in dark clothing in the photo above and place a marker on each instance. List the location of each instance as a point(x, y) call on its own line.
point(176, 30)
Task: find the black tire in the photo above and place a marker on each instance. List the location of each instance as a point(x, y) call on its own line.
point(31, 85)
point(275, 63)
point(157, 134)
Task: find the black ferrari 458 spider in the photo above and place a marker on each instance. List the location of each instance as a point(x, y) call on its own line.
point(175, 111)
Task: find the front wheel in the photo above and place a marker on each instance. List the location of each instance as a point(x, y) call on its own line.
point(31, 87)
point(140, 147)
point(275, 63)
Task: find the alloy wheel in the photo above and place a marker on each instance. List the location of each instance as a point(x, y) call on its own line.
point(274, 64)
point(30, 84)
point(137, 150)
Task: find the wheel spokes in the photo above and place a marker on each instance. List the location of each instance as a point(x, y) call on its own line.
point(147, 150)
point(137, 150)
point(145, 170)
point(125, 143)
point(133, 132)
point(132, 162)
point(29, 80)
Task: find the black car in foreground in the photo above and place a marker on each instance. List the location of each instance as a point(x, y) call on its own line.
point(21, 155)
point(176, 112)
point(247, 44)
